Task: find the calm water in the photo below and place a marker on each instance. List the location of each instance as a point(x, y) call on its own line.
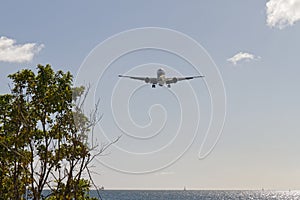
point(193, 195)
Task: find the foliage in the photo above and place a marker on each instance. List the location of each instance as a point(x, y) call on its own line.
point(43, 137)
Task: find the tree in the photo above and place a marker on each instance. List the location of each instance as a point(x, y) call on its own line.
point(44, 137)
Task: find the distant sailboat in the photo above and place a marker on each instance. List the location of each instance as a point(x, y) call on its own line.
point(184, 189)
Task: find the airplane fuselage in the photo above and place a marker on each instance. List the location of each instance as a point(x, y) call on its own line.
point(161, 77)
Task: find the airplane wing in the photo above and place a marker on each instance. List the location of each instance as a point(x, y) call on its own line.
point(176, 79)
point(146, 79)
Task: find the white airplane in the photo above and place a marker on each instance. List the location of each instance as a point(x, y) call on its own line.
point(161, 79)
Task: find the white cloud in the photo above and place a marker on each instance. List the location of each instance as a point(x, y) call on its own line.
point(281, 13)
point(242, 56)
point(12, 52)
point(164, 173)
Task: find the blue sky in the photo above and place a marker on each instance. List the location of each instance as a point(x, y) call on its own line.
point(255, 46)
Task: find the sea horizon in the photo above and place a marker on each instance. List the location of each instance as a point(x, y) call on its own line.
point(196, 189)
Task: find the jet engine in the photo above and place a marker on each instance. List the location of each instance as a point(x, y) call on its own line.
point(147, 79)
point(174, 80)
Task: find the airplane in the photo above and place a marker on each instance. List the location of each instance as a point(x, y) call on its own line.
point(161, 79)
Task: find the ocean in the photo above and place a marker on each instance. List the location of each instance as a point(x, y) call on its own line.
point(196, 195)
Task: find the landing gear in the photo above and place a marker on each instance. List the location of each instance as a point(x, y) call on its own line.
point(169, 85)
point(153, 86)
